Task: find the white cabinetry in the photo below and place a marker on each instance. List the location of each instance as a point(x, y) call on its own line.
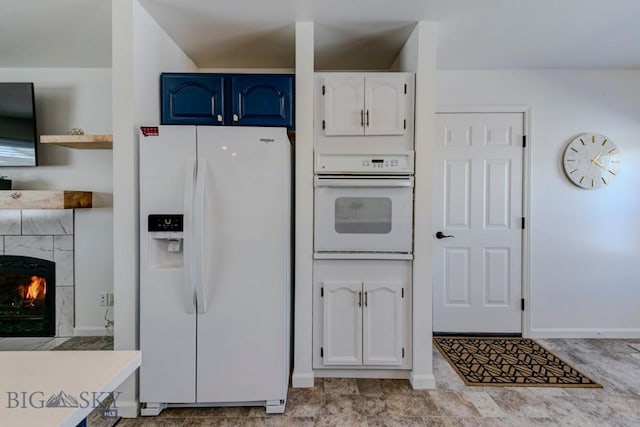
point(383, 323)
point(342, 323)
point(362, 320)
point(367, 105)
point(362, 323)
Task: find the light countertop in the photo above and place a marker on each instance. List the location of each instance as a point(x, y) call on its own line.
point(30, 379)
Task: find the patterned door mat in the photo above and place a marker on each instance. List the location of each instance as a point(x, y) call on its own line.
point(508, 362)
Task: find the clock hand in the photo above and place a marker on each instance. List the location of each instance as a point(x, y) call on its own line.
point(596, 157)
point(597, 163)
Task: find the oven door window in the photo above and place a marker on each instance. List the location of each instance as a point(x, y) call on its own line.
point(364, 215)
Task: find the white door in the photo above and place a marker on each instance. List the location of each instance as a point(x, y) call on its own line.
point(386, 105)
point(342, 323)
point(383, 323)
point(343, 105)
point(477, 282)
point(242, 337)
point(167, 311)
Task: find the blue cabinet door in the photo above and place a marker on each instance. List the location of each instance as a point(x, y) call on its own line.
point(192, 99)
point(262, 100)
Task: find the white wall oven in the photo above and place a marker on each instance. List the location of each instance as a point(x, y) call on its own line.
point(364, 206)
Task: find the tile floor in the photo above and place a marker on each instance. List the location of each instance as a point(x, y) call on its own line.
point(349, 402)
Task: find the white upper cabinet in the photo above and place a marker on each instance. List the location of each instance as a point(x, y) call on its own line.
point(352, 105)
point(343, 106)
point(385, 103)
point(368, 105)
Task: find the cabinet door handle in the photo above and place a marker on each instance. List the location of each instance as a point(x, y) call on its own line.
point(362, 118)
point(235, 117)
point(366, 298)
point(367, 118)
point(220, 118)
point(359, 299)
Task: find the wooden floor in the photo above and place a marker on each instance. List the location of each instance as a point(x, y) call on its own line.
point(348, 402)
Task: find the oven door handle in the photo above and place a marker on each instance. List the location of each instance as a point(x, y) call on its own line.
point(363, 183)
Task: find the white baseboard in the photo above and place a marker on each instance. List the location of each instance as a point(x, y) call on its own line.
point(584, 333)
point(397, 374)
point(91, 331)
point(422, 381)
point(302, 379)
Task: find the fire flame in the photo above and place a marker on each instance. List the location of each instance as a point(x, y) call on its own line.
point(34, 290)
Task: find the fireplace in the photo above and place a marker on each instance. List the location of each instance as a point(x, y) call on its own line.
point(27, 297)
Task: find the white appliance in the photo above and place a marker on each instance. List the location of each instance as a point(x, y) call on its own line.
point(363, 205)
point(214, 267)
point(363, 247)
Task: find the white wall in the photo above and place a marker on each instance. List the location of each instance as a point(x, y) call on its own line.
point(154, 52)
point(68, 98)
point(585, 244)
point(303, 320)
point(419, 56)
point(141, 50)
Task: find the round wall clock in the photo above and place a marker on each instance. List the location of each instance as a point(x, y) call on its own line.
point(591, 161)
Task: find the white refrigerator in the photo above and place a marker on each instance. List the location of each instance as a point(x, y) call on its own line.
point(215, 263)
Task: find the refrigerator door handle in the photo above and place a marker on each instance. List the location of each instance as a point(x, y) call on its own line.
point(187, 266)
point(199, 236)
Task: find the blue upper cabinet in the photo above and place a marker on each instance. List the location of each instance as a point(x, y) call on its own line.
point(262, 100)
point(192, 99)
point(227, 99)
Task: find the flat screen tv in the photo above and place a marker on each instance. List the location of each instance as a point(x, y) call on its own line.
point(18, 136)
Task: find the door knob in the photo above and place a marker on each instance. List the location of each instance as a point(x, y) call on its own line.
point(441, 235)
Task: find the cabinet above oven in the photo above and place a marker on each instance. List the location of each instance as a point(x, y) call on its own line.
point(364, 112)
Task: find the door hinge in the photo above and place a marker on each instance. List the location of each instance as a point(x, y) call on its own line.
point(323, 90)
point(402, 292)
point(524, 141)
point(523, 223)
point(522, 304)
point(323, 124)
point(322, 291)
point(321, 352)
point(405, 88)
point(403, 352)
point(405, 123)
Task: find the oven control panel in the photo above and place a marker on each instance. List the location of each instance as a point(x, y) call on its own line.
point(364, 163)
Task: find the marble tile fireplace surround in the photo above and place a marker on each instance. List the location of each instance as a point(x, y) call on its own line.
point(45, 234)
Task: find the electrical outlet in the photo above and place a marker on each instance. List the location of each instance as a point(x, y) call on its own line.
point(103, 299)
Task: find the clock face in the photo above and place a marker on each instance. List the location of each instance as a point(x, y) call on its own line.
point(591, 161)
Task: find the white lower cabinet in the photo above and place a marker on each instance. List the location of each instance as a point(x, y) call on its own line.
point(362, 314)
point(383, 324)
point(341, 323)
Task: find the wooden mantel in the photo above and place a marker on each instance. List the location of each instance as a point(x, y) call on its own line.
point(99, 142)
point(34, 199)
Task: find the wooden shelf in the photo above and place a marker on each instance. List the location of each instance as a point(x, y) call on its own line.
point(35, 199)
point(94, 142)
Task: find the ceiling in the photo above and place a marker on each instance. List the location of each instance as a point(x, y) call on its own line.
point(349, 34)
